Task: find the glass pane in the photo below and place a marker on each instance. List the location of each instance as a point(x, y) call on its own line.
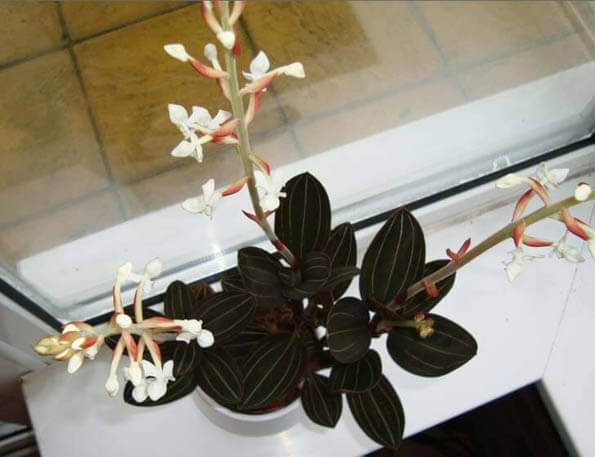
point(87, 180)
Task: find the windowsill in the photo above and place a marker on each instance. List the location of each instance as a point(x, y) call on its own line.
point(362, 178)
point(515, 326)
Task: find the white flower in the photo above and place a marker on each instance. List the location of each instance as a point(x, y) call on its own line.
point(112, 385)
point(191, 329)
point(227, 39)
point(75, 362)
point(133, 373)
point(177, 51)
point(258, 67)
point(124, 321)
point(514, 267)
point(156, 384)
point(203, 118)
point(551, 178)
point(563, 250)
point(510, 180)
point(204, 204)
point(152, 270)
point(271, 185)
point(210, 51)
point(582, 192)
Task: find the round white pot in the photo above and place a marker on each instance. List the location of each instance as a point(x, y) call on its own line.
point(248, 424)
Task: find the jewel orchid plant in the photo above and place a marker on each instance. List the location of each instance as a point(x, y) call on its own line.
point(280, 319)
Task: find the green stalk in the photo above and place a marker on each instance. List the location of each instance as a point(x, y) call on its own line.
point(244, 149)
point(501, 235)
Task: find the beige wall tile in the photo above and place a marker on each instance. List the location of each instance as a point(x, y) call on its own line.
point(527, 66)
point(377, 115)
point(221, 163)
point(87, 18)
point(49, 151)
point(350, 50)
point(61, 226)
point(472, 31)
point(130, 81)
point(27, 28)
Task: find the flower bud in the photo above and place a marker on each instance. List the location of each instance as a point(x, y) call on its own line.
point(177, 51)
point(112, 385)
point(582, 192)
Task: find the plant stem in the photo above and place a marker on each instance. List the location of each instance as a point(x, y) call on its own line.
point(501, 235)
point(244, 149)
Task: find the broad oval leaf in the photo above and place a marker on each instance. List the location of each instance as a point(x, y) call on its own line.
point(243, 344)
point(394, 260)
point(348, 336)
point(358, 376)
point(219, 375)
point(179, 301)
point(449, 347)
point(185, 357)
point(315, 271)
point(201, 292)
point(260, 273)
point(379, 413)
point(177, 389)
point(233, 283)
point(342, 250)
point(424, 303)
point(322, 406)
point(303, 220)
point(226, 314)
point(272, 370)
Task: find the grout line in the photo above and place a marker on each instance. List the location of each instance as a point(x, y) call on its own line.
point(425, 25)
point(21, 60)
point(133, 22)
point(90, 112)
point(277, 99)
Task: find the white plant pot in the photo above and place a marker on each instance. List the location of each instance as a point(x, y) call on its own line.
point(248, 424)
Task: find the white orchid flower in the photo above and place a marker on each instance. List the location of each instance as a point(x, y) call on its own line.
point(551, 179)
point(514, 267)
point(563, 250)
point(271, 186)
point(260, 76)
point(204, 204)
point(156, 380)
point(202, 117)
point(125, 273)
point(192, 329)
point(259, 67)
point(582, 192)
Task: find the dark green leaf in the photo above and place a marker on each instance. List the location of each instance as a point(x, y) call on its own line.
point(342, 250)
point(177, 389)
point(243, 344)
point(447, 349)
point(272, 370)
point(315, 270)
point(340, 279)
point(303, 220)
point(233, 283)
point(358, 376)
point(219, 375)
point(201, 292)
point(179, 301)
point(185, 357)
point(321, 405)
point(226, 314)
point(422, 302)
point(394, 260)
point(348, 335)
point(379, 413)
point(260, 273)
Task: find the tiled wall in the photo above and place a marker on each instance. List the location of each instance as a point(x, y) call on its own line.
point(83, 120)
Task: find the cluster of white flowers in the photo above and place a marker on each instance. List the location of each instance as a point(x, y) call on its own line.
point(546, 179)
point(200, 128)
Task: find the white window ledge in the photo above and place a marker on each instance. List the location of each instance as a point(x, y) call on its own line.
point(515, 326)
